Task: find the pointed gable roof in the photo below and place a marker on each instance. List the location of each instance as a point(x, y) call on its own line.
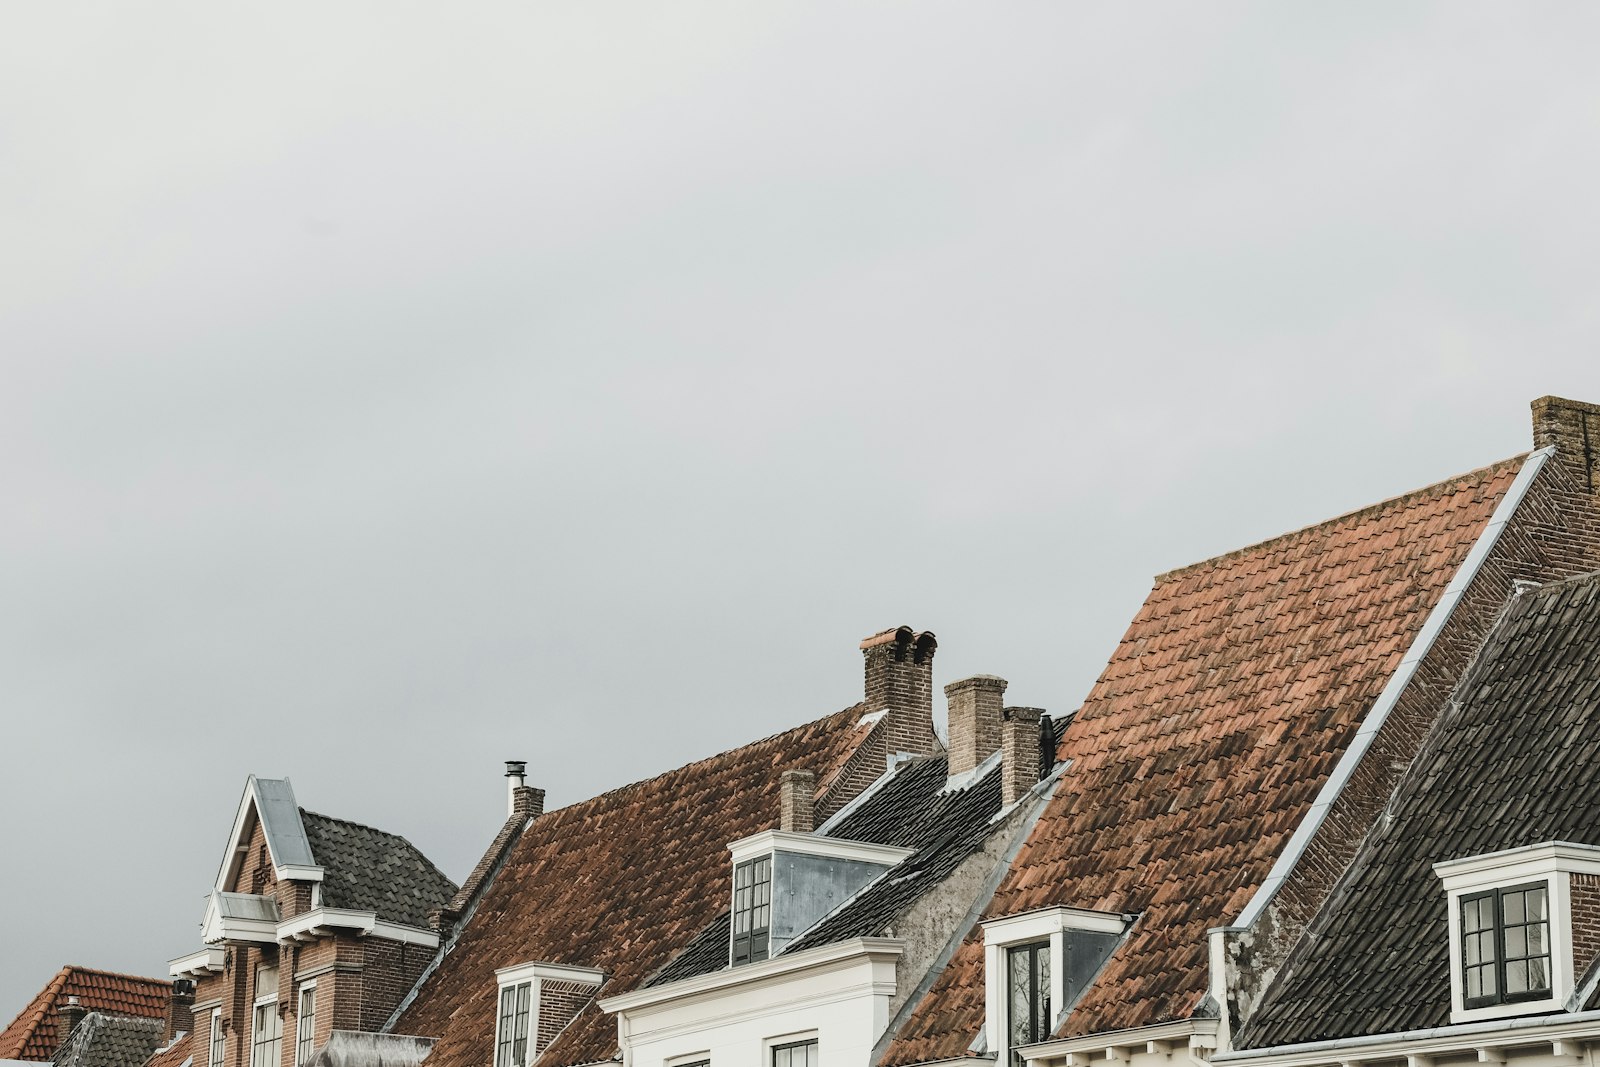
point(1520, 732)
point(32, 1035)
point(1205, 741)
point(619, 883)
point(269, 801)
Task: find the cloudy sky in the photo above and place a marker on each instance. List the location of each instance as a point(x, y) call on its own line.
point(393, 389)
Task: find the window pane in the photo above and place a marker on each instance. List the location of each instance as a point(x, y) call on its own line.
point(1538, 974)
point(1513, 907)
point(1516, 978)
point(1536, 904)
point(1536, 940)
point(1471, 917)
point(1516, 943)
point(1474, 983)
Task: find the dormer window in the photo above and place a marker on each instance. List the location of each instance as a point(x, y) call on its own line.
point(1036, 966)
point(535, 1002)
point(1511, 917)
point(784, 882)
point(1505, 945)
point(752, 910)
point(1028, 989)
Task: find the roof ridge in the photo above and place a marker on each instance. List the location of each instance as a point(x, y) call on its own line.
point(1361, 512)
point(704, 759)
point(116, 974)
point(404, 840)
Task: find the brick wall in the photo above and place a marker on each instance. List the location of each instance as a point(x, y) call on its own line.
point(1554, 534)
point(1585, 921)
point(559, 1003)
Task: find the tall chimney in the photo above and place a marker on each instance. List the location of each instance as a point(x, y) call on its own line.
point(1019, 753)
point(68, 1016)
point(975, 715)
point(899, 666)
point(797, 792)
point(1574, 428)
point(179, 1016)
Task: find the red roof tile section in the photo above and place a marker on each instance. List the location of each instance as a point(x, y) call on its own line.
point(619, 883)
point(32, 1035)
point(1205, 741)
point(171, 1055)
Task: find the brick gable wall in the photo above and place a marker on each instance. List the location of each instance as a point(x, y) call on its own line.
point(1585, 921)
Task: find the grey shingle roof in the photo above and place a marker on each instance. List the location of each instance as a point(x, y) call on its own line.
point(102, 1040)
point(1515, 762)
point(368, 870)
point(908, 811)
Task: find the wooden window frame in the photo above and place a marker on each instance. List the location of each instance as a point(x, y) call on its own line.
point(1497, 895)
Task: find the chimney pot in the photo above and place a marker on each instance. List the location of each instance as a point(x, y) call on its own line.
point(797, 792)
point(975, 713)
point(899, 679)
point(1019, 753)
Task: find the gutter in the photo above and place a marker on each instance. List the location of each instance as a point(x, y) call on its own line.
point(1420, 647)
point(1416, 1042)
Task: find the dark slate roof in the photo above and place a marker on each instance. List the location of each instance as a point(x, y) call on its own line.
point(102, 1040)
point(1515, 762)
point(32, 1034)
point(364, 869)
point(1205, 741)
point(621, 883)
point(907, 811)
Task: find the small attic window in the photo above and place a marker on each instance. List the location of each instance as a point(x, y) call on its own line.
point(752, 910)
point(534, 1003)
point(1036, 966)
point(1505, 945)
point(1511, 920)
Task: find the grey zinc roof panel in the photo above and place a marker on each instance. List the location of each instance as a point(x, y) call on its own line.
point(102, 1040)
point(365, 869)
point(280, 822)
point(1511, 763)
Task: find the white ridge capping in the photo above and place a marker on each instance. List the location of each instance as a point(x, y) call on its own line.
point(1387, 699)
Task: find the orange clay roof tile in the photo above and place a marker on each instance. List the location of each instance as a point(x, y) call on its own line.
point(32, 1034)
point(1206, 739)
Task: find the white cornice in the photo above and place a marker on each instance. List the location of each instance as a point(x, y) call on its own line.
point(319, 922)
point(548, 972)
point(1198, 1033)
point(774, 969)
point(768, 841)
point(1513, 864)
point(205, 961)
point(1044, 921)
point(1419, 1044)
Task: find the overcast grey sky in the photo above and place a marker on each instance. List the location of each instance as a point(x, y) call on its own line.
point(392, 389)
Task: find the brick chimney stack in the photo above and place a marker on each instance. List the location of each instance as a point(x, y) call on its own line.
point(180, 1018)
point(68, 1016)
point(797, 793)
point(975, 716)
point(1019, 752)
point(899, 666)
point(1574, 428)
point(521, 798)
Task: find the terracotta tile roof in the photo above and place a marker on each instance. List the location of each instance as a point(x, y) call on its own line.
point(1512, 762)
point(1205, 740)
point(621, 883)
point(175, 1054)
point(32, 1034)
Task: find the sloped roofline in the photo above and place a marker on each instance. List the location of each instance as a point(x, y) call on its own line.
point(1361, 512)
point(1353, 754)
point(271, 801)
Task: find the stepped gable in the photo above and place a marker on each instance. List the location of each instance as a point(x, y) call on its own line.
point(365, 869)
point(1521, 733)
point(1205, 741)
point(32, 1035)
point(620, 883)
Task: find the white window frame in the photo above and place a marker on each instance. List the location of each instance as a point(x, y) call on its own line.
point(1552, 863)
point(302, 1039)
point(216, 1040)
point(534, 975)
point(771, 1045)
point(270, 1003)
point(1045, 924)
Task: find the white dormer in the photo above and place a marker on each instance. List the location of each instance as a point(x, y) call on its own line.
point(784, 882)
point(1511, 922)
point(1036, 965)
point(535, 1002)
